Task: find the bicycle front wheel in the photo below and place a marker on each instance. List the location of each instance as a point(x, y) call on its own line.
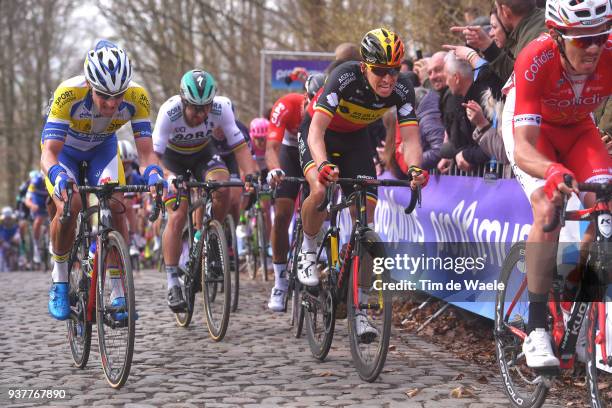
point(79, 328)
point(188, 282)
point(229, 226)
point(522, 385)
point(262, 245)
point(369, 309)
point(215, 274)
point(116, 309)
point(293, 299)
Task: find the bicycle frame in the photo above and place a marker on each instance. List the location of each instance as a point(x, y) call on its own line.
point(565, 335)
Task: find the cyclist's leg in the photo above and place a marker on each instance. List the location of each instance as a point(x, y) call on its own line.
point(284, 203)
point(354, 158)
point(541, 250)
point(212, 168)
point(311, 218)
point(62, 239)
point(172, 234)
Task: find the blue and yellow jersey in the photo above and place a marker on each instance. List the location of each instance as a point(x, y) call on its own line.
point(73, 117)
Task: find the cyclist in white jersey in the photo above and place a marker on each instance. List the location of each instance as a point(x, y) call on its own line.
point(182, 137)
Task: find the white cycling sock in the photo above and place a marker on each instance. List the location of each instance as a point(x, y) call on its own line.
point(280, 276)
point(60, 268)
point(172, 275)
point(309, 244)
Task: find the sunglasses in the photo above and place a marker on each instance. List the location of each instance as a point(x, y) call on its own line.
point(585, 41)
point(196, 108)
point(382, 71)
point(106, 97)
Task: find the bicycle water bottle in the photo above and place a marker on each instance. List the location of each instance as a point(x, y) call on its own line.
point(491, 170)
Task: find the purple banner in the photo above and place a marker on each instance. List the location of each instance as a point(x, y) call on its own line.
point(282, 69)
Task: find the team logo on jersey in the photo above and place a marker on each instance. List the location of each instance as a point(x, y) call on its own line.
point(332, 99)
point(527, 120)
point(537, 63)
point(175, 113)
point(216, 109)
point(405, 109)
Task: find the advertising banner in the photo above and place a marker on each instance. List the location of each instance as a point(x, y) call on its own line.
point(282, 69)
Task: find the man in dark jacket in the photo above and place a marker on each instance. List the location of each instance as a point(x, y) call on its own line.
point(522, 21)
point(461, 83)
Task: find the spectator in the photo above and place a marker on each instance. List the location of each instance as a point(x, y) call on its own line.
point(344, 52)
point(498, 32)
point(524, 22)
point(407, 67)
point(461, 83)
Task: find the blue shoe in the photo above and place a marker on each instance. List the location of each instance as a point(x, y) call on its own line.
point(59, 303)
point(117, 303)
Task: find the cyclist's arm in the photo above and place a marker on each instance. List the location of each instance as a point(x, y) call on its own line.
point(316, 132)
point(272, 154)
point(50, 155)
point(146, 154)
point(245, 160)
point(411, 141)
point(526, 155)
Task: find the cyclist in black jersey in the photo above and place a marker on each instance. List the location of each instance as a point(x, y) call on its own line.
point(334, 138)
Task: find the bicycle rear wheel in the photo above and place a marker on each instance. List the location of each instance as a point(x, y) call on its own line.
point(262, 245)
point(215, 272)
point(522, 385)
point(369, 348)
point(597, 398)
point(229, 226)
point(116, 318)
point(79, 328)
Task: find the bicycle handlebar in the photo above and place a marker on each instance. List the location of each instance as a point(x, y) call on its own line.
point(364, 182)
point(601, 189)
point(66, 212)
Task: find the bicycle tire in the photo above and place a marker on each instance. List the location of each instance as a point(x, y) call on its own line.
point(189, 285)
point(79, 329)
point(294, 287)
point(369, 356)
point(320, 314)
point(508, 346)
point(117, 375)
point(215, 271)
point(229, 227)
point(249, 245)
point(596, 397)
point(262, 245)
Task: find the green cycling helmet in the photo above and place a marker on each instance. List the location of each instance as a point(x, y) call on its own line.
point(198, 87)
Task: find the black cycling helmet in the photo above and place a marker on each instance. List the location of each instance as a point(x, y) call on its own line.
point(313, 84)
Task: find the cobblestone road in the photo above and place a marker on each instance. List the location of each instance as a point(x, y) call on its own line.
point(257, 364)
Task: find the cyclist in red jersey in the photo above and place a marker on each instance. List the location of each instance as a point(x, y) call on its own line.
point(558, 80)
point(282, 158)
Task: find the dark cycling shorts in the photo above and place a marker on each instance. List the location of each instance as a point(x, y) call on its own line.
point(351, 152)
point(232, 165)
point(201, 164)
point(289, 157)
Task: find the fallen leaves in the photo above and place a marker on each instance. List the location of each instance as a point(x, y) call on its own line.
point(462, 392)
point(412, 392)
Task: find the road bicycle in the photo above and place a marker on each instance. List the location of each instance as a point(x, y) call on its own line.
point(207, 268)
point(528, 387)
point(349, 286)
point(101, 290)
point(256, 244)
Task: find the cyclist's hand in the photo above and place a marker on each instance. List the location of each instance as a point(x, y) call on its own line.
point(152, 181)
point(420, 177)
point(328, 172)
point(61, 183)
point(555, 183)
point(607, 139)
point(274, 177)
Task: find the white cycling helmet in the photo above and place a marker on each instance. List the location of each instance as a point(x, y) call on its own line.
point(562, 14)
point(107, 68)
point(127, 152)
